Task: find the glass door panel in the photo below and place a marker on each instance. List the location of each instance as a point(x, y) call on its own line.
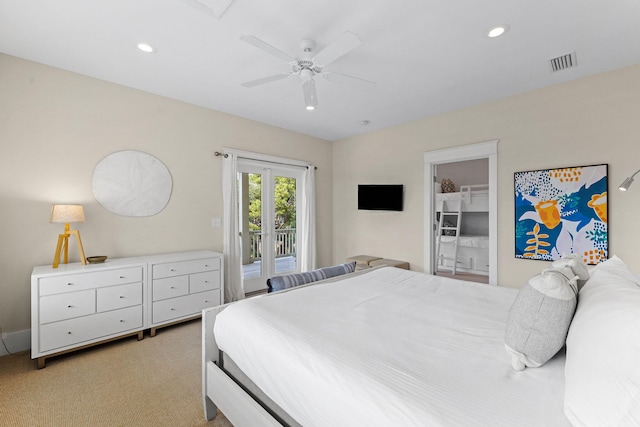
point(268, 198)
point(250, 199)
point(285, 227)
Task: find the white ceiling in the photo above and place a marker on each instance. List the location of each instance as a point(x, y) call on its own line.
point(426, 56)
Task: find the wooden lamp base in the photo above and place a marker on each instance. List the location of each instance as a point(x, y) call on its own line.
point(63, 246)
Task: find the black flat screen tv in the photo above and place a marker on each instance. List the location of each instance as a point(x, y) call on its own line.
point(380, 197)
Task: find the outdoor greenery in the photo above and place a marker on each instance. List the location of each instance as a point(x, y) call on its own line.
point(285, 202)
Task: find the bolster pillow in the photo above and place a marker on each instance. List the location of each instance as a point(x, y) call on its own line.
point(278, 283)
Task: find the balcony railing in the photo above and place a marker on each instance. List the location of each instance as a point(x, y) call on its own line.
point(285, 243)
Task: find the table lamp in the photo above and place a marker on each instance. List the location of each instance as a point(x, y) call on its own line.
point(66, 214)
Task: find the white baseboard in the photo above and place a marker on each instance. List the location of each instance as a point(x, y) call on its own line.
point(15, 342)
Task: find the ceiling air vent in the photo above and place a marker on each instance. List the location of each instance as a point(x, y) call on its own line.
point(563, 62)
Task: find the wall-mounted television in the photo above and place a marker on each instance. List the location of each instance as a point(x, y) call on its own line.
point(380, 197)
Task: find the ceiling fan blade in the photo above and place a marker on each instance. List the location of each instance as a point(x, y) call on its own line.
point(348, 80)
point(340, 46)
point(267, 79)
point(266, 47)
point(215, 8)
point(310, 96)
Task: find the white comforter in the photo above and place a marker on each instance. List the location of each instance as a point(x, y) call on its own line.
point(390, 348)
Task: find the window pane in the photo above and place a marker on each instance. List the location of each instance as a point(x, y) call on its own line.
point(250, 199)
point(285, 224)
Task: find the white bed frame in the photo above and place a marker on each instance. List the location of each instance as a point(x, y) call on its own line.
point(219, 390)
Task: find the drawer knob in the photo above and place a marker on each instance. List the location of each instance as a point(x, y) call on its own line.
point(69, 333)
point(173, 269)
point(121, 321)
point(69, 306)
point(121, 297)
point(173, 309)
point(69, 284)
point(122, 277)
point(173, 287)
point(206, 301)
point(206, 265)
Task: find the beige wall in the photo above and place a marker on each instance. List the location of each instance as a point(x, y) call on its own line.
point(589, 121)
point(55, 126)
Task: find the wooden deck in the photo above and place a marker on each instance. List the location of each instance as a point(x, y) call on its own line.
point(283, 265)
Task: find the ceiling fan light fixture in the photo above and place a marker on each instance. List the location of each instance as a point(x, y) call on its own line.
point(310, 96)
point(306, 74)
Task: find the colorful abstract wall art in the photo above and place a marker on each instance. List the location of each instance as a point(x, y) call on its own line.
point(562, 211)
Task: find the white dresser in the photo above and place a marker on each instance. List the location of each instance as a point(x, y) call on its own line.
point(182, 286)
point(75, 306)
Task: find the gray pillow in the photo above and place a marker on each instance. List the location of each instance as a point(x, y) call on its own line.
point(540, 316)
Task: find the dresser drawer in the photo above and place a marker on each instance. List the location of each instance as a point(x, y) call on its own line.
point(170, 287)
point(80, 281)
point(114, 297)
point(67, 306)
point(188, 305)
point(207, 281)
point(74, 331)
point(170, 269)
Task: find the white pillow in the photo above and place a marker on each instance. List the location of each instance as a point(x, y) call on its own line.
point(602, 369)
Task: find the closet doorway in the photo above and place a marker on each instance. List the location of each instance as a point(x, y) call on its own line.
point(462, 237)
point(464, 244)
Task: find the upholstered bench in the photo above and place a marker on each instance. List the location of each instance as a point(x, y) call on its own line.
point(368, 261)
point(390, 263)
point(362, 261)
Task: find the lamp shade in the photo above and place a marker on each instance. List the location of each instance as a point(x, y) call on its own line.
point(626, 184)
point(67, 213)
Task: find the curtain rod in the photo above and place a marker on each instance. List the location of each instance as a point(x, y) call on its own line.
point(218, 154)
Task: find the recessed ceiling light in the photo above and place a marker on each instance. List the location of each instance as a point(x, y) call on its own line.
point(146, 47)
point(497, 31)
point(310, 107)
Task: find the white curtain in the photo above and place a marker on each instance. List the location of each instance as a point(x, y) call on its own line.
point(233, 287)
point(307, 247)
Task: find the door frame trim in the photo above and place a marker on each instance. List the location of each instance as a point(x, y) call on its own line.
point(480, 150)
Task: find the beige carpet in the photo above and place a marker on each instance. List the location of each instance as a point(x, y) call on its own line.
point(153, 382)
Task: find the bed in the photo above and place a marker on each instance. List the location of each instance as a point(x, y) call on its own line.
point(475, 198)
point(383, 346)
point(472, 253)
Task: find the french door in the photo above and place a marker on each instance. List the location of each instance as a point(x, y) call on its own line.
point(268, 199)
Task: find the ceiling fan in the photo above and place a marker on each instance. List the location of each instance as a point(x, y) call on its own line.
point(309, 64)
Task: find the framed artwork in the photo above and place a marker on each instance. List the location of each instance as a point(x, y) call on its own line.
point(562, 211)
